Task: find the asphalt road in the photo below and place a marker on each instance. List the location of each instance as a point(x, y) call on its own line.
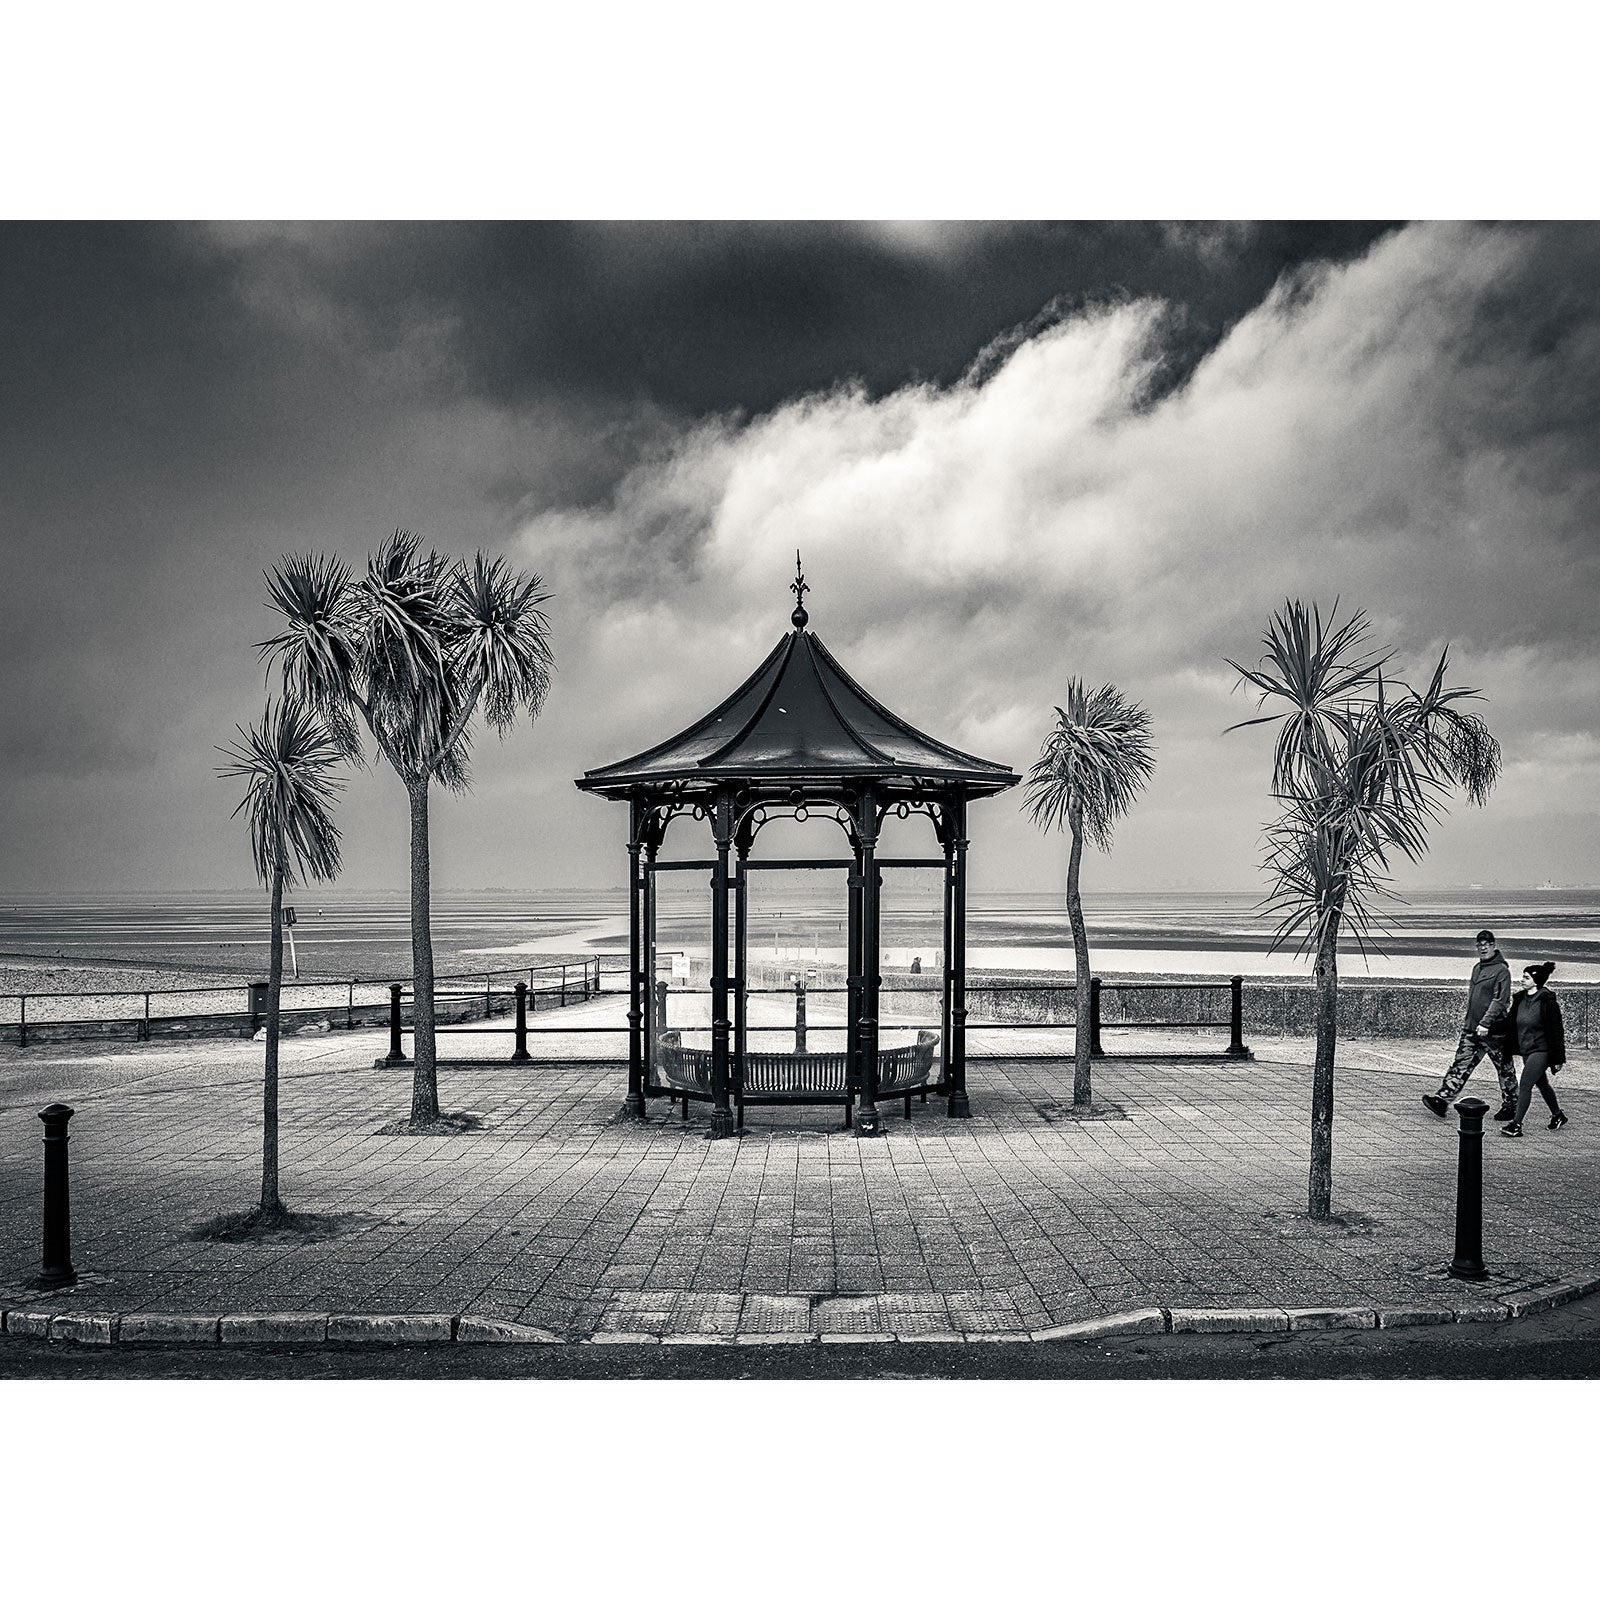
point(1564, 1343)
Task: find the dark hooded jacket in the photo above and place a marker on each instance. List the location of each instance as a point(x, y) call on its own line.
point(1534, 1024)
point(1489, 998)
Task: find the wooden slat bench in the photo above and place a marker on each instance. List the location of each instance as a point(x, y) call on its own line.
point(787, 1078)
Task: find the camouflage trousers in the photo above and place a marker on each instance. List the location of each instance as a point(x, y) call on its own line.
point(1469, 1053)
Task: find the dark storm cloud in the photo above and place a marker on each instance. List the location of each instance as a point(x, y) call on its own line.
point(712, 317)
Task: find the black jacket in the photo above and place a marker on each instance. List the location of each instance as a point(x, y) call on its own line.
point(1489, 995)
point(1550, 1029)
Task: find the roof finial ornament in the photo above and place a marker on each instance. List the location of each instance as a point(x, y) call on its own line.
point(799, 586)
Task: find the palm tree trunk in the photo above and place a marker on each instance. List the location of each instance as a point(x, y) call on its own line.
point(1082, 1035)
point(271, 1204)
point(1327, 980)
point(425, 1076)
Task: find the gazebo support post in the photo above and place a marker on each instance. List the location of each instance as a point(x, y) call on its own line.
point(852, 981)
point(868, 1122)
point(741, 960)
point(647, 982)
point(947, 838)
point(722, 831)
point(633, 1106)
point(957, 1103)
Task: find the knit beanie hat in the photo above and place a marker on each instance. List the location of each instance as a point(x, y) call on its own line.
point(1541, 972)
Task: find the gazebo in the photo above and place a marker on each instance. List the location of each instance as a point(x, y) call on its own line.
point(798, 736)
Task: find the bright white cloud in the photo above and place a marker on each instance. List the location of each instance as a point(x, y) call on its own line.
point(972, 546)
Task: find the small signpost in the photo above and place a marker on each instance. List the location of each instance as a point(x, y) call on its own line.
point(288, 927)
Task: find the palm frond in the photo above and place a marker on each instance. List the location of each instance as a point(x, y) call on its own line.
point(289, 761)
point(499, 639)
point(1315, 670)
point(317, 652)
point(1093, 764)
point(1361, 770)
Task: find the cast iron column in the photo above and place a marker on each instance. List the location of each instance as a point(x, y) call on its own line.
point(948, 839)
point(57, 1271)
point(868, 1123)
point(633, 1106)
point(722, 832)
point(852, 979)
point(648, 978)
point(1468, 1261)
point(958, 1106)
point(741, 934)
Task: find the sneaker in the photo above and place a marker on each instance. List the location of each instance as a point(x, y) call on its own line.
point(1437, 1104)
point(1506, 1114)
point(1559, 1120)
point(1512, 1130)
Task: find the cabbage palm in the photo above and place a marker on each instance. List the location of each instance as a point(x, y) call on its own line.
point(1091, 768)
point(415, 649)
point(287, 762)
point(1362, 766)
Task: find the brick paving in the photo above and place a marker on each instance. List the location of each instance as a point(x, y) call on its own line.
point(552, 1211)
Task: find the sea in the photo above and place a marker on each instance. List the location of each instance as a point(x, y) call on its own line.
point(791, 919)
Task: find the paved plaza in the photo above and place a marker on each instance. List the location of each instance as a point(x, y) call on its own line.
point(1187, 1189)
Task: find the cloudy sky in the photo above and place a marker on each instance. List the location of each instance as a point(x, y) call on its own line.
point(1009, 453)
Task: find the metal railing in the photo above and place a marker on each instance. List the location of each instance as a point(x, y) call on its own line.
point(890, 1018)
point(345, 1002)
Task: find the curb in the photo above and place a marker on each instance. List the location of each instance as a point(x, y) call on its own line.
point(305, 1328)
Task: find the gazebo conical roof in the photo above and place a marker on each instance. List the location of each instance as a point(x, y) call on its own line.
point(800, 718)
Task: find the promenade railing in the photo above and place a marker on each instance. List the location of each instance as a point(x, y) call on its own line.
point(1039, 1018)
point(339, 1003)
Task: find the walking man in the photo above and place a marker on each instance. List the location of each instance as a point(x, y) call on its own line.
point(1483, 1033)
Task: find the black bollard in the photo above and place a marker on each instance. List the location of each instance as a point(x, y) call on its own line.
point(396, 1054)
point(57, 1272)
point(1094, 1018)
point(258, 1006)
point(1468, 1261)
point(520, 1054)
point(661, 1004)
point(1236, 1019)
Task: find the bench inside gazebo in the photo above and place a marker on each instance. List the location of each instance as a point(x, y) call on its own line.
point(798, 737)
point(794, 1077)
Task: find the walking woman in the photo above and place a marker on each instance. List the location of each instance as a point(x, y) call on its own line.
point(1534, 1031)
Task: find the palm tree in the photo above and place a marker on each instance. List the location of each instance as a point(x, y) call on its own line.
point(1091, 768)
point(287, 763)
point(1362, 766)
point(416, 647)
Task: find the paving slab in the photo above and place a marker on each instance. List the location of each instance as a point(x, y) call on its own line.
point(551, 1212)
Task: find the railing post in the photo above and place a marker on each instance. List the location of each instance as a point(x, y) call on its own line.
point(144, 1031)
point(563, 985)
point(1094, 1018)
point(258, 1006)
point(799, 1014)
point(520, 1054)
point(1468, 1262)
point(350, 1008)
point(22, 1024)
point(1236, 1039)
point(396, 1054)
point(57, 1270)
